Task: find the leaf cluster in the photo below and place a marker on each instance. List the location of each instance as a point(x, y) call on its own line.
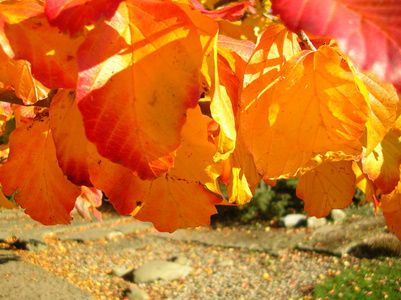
point(154, 102)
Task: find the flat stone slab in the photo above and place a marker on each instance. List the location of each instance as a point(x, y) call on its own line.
point(158, 269)
point(22, 280)
point(271, 241)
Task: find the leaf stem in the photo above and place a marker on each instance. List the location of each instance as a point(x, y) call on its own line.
point(302, 35)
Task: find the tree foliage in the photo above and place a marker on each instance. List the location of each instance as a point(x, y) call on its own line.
point(154, 102)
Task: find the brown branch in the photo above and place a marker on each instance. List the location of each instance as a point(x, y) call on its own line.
point(9, 96)
point(302, 35)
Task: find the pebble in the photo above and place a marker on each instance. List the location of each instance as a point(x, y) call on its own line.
point(165, 270)
point(314, 222)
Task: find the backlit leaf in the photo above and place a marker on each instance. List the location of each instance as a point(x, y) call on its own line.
point(17, 74)
point(383, 163)
point(87, 203)
point(13, 12)
point(292, 111)
point(69, 136)
point(73, 15)
point(51, 53)
point(139, 73)
point(329, 185)
point(32, 170)
point(393, 221)
point(368, 31)
point(385, 106)
point(233, 12)
point(178, 199)
point(391, 202)
point(364, 183)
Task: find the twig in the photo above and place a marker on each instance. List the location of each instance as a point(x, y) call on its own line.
point(302, 35)
point(10, 97)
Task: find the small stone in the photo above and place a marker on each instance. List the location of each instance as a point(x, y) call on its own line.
point(314, 222)
point(164, 270)
point(121, 271)
point(135, 293)
point(182, 260)
point(293, 220)
point(114, 234)
point(226, 263)
point(337, 215)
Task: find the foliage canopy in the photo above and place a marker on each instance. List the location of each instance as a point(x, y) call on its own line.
point(155, 101)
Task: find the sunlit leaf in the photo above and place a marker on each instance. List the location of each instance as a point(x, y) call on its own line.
point(329, 185)
point(32, 170)
point(87, 203)
point(233, 12)
point(139, 73)
point(51, 53)
point(5, 203)
point(383, 163)
point(178, 199)
point(364, 183)
point(69, 136)
point(368, 31)
point(386, 108)
point(297, 106)
point(393, 221)
point(73, 15)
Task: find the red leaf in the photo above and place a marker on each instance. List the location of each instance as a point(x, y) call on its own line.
point(51, 53)
point(233, 12)
point(139, 73)
point(368, 31)
point(32, 170)
point(73, 15)
point(69, 136)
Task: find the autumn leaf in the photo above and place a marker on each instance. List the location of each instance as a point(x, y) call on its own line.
point(51, 53)
point(243, 48)
point(69, 137)
point(383, 163)
point(242, 175)
point(17, 74)
point(363, 182)
point(365, 30)
point(73, 15)
point(5, 203)
point(233, 12)
point(13, 12)
point(139, 73)
point(393, 221)
point(329, 185)
point(179, 199)
point(297, 106)
point(32, 170)
point(88, 201)
point(385, 106)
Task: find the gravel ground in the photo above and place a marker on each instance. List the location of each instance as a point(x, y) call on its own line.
point(219, 272)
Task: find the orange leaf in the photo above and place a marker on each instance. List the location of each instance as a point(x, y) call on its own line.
point(364, 183)
point(139, 73)
point(5, 203)
point(73, 15)
point(179, 199)
point(368, 31)
point(69, 136)
point(386, 108)
point(13, 12)
point(329, 185)
point(17, 74)
point(33, 171)
point(383, 163)
point(51, 53)
point(393, 222)
point(307, 107)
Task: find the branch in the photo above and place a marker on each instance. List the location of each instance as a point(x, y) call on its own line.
point(302, 35)
point(10, 97)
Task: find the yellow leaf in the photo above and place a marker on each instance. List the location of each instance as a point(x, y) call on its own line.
point(329, 185)
point(301, 108)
